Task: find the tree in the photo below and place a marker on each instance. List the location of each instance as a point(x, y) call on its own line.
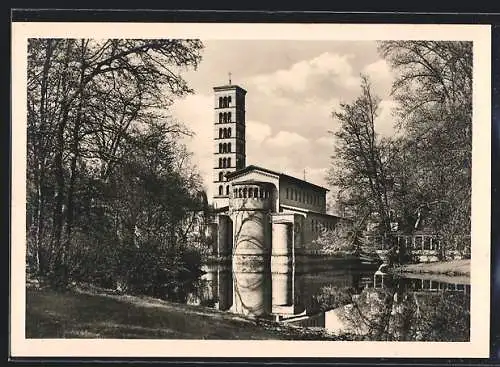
point(433, 89)
point(359, 167)
point(88, 100)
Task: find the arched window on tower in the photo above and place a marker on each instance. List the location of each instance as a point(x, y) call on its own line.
point(224, 134)
point(221, 190)
point(220, 162)
point(225, 101)
point(229, 147)
point(228, 132)
point(224, 162)
point(229, 100)
point(221, 176)
point(220, 101)
point(220, 133)
point(229, 162)
point(224, 148)
point(229, 117)
point(227, 190)
point(221, 116)
point(220, 147)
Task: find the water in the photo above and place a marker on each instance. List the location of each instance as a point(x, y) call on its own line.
point(361, 302)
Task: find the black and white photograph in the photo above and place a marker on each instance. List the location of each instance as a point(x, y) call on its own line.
point(244, 183)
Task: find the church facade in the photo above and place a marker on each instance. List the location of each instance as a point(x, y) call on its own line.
point(262, 216)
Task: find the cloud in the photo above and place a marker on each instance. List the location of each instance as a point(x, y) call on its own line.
point(286, 139)
point(380, 74)
point(384, 123)
point(321, 75)
point(196, 112)
point(326, 141)
point(257, 131)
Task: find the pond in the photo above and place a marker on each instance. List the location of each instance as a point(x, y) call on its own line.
point(350, 300)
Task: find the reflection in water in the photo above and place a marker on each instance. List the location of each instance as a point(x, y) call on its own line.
point(251, 294)
point(370, 305)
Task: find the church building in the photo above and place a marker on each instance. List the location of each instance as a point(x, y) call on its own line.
point(262, 216)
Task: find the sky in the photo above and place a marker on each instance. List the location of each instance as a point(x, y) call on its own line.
point(292, 89)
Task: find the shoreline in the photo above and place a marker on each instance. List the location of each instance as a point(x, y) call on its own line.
point(81, 313)
point(457, 271)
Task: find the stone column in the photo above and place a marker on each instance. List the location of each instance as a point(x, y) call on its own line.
point(225, 289)
point(224, 238)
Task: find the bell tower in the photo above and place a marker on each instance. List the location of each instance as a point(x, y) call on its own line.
point(229, 138)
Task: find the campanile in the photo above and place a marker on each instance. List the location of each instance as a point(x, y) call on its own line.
point(229, 139)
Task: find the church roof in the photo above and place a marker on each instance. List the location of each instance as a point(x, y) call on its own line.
point(279, 174)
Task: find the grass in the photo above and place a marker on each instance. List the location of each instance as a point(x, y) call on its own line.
point(449, 268)
point(77, 314)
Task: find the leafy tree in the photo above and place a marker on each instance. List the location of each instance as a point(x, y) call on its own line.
point(433, 89)
point(359, 168)
point(98, 134)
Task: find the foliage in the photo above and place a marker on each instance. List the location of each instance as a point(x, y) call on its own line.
point(433, 91)
point(109, 186)
point(359, 167)
point(330, 297)
point(421, 177)
point(343, 239)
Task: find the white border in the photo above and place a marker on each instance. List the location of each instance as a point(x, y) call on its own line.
point(480, 274)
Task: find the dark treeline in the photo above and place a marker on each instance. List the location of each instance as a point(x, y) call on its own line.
point(419, 178)
point(110, 189)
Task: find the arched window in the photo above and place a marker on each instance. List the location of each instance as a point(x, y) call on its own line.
point(221, 176)
point(224, 134)
point(229, 117)
point(224, 147)
point(228, 132)
point(224, 163)
point(221, 190)
point(220, 117)
point(220, 101)
point(229, 99)
point(229, 147)
point(227, 190)
point(244, 192)
point(229, 162)
point(220, 133)
point(220, 147)
point(220, 162)
point(225, 101)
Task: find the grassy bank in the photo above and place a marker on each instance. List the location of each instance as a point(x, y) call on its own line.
point(79, 314)
point(447, 268)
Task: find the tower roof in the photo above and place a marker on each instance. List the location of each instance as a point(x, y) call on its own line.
point(230, 87)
